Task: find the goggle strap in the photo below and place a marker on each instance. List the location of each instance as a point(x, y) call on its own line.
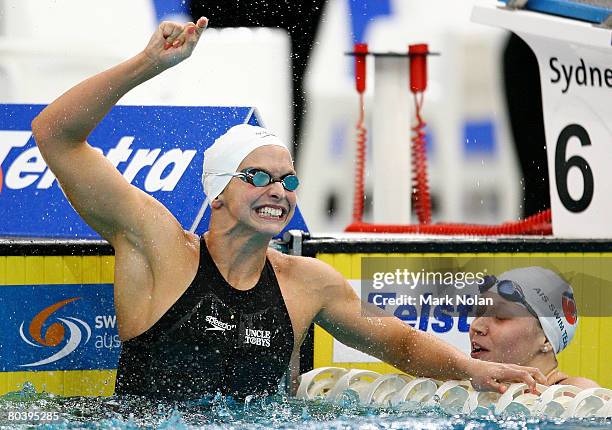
point(199, 216)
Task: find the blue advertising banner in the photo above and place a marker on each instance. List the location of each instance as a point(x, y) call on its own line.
point(58, 327)
point(159, 149)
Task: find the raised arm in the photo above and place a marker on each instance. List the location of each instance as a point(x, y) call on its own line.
point(410, 350)
point(94, 187)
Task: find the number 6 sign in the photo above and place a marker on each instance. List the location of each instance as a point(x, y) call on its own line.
point(575, 62)
point(563, 166)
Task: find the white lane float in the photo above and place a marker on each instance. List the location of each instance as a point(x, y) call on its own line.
point(355, 380)
point(518, 399)
point(555, 400)
point(588, 402)
point(606, 410)
point(402, 391)
point(450, 396)
point(384, 388)
point(481, 402)
point(318, 382)
point(419, 390)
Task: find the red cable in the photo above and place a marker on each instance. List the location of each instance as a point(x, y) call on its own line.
point(538, 224)
point(361, 50)
point(360, 159)
point(421, 199)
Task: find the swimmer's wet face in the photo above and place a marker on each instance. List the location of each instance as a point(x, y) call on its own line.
point(538, 294)
point(505, 332)
point(269, 208)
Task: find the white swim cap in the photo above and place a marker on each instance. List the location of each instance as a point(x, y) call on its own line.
point(222, 158)
point(552, 298)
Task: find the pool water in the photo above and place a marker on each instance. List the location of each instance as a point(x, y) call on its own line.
point(273, 412)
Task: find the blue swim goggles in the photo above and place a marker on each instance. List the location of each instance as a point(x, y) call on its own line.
point(261, 178)
point(508, 290)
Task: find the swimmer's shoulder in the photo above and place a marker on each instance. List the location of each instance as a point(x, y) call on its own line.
point(560, 378)
point(579, 382)
point(306, 271)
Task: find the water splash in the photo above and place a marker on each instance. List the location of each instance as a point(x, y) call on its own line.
point(254, 413)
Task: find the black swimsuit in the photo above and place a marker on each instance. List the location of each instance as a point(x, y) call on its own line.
point(215, 338)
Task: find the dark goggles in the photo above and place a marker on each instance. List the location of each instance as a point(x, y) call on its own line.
point(261, 178)
point(508, 290)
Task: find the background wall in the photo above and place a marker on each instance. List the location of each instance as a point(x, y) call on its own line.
point(48, 46)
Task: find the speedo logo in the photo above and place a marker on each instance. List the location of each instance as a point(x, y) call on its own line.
point(218, 325)
point(28, 169)
point(55, 333)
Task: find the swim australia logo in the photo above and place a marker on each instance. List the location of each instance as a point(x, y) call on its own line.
point(569, 307)
point(217, 325)
point(59, 331)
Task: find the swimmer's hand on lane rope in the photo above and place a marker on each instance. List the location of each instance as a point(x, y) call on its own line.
point(489, 376)
point(173, 42)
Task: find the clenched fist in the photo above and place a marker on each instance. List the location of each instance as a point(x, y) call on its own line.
point(173, 42)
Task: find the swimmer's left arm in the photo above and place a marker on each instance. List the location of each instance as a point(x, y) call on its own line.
point(367, 328)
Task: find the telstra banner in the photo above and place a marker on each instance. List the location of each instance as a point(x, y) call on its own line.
point(159, 149)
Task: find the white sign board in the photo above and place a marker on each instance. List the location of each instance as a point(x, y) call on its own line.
point(577, 103)
point(575, 62)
